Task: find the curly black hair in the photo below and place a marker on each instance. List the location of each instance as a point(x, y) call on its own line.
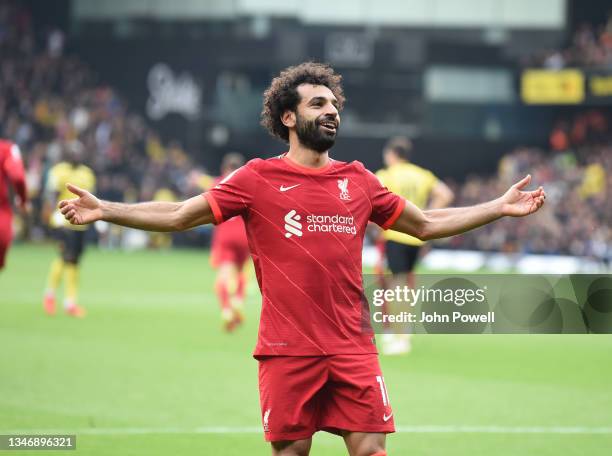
point(282, 95)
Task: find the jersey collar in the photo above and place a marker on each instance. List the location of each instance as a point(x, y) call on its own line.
point(306, 169)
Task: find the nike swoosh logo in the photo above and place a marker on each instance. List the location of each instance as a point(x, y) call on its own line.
point(387, 418)
point(284, 189)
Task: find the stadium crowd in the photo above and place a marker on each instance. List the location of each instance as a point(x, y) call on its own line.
point(48, 98)
point(591, 45)
point(577, 174)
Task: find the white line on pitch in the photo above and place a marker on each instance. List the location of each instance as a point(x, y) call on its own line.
point(433, 429)
point(504, 429)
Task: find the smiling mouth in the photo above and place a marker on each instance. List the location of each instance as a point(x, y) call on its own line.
point(329, 126)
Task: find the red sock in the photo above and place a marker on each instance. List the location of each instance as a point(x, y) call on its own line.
point(241, 285)
point(223, 294)
point(380, 453)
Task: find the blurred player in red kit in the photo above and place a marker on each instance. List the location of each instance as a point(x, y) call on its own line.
point(306, 215)
point(11, 173)
point(229, 252)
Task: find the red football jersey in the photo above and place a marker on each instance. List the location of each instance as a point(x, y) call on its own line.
point(11, 171)
point(305, 229)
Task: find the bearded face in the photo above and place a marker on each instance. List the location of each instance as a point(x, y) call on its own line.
point(318, 134)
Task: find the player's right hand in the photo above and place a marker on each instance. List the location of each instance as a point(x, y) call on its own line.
point(82, 210)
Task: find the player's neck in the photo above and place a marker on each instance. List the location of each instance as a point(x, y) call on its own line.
point(307, 157)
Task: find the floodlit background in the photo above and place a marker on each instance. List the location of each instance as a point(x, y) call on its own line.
point(488, 90)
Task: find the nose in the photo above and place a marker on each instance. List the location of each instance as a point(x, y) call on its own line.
point(331, 111)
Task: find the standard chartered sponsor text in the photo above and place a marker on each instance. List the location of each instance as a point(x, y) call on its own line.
point(331, 224)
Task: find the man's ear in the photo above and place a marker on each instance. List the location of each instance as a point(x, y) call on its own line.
point(288, 119)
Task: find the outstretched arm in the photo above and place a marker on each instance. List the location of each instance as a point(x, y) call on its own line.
point(439, 223)
point(151, 216)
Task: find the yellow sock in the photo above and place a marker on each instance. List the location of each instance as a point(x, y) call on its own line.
point(72, 282)
point(55, 275)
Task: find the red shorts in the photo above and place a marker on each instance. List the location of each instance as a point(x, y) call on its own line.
point(300, 395)
point(230, 244)
point(229, 252)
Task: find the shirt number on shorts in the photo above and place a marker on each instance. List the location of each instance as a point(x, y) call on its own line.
point(383, 389)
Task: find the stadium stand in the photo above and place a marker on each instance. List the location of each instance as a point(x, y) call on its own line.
point(48, 97)
point(577, 173)
point(591, 45)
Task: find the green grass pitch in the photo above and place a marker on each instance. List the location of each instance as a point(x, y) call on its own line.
point(149, 372)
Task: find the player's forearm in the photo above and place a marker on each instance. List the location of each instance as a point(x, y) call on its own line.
point(440, 223)
point(150, 216)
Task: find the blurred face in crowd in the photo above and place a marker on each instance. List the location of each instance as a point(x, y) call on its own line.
point(316, 117)
point(390, 157)
point(231, 162)
point(396, 151)
point(74, 153)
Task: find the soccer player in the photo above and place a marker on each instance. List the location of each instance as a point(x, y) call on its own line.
point(423, 189)
point(305, 215)
point(11, 173)
point(71, 237)
point(229, 254)
point(229, 251)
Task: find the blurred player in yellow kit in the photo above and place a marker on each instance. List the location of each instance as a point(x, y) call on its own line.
point(422, 188)
point(71, 237)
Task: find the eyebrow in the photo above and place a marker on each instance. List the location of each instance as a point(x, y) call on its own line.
point(314, 100)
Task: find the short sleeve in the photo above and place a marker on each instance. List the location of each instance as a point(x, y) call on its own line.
point(234, 194)
point(386, 206)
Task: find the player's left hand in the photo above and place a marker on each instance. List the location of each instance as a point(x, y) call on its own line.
point(517, 203)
